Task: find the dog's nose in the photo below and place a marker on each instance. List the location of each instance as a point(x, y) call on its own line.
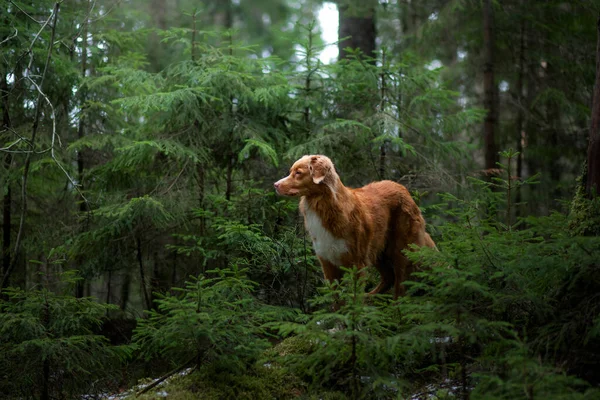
point(276, 184)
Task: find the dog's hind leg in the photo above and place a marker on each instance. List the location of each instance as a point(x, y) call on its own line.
point(402, 271)
point(386, 272)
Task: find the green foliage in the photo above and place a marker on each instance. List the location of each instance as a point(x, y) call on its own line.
point(173, 119)
point(215, 319)
point(507, 302)
point(518, 375)
point(49, 347)
point(353, 349)
point(258, 382)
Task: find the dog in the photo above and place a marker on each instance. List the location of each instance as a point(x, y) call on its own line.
point(368, 226)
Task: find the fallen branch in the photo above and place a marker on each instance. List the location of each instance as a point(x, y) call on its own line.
point(165, 377)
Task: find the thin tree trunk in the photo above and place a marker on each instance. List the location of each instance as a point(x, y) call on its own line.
point(382, 106)
point(200, 167)
point(592, 183)
point(82, 99)
point(308, 80)
point(142, 275)
point(108, 287)
point(156, 53)
point(489, 87)
point(125, 290)
point(230, 160)
point(45, 395)
point(155, 279)
point(174, 270)
point(80, 134)
point(7, 197)
point(520, 113)
point(194, 32)
point(7, 219)
point(229, 178)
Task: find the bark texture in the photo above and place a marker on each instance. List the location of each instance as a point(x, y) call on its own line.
point(357, 27)
point(489, 87)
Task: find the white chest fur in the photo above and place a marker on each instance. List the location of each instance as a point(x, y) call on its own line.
point(325, 244)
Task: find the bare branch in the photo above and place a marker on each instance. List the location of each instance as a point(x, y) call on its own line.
point(29, 50)
point(25, 12)
point(10, 37)
point(22, 138)
point(7, 148)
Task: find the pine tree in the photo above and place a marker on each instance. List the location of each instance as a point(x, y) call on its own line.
point(50, 346)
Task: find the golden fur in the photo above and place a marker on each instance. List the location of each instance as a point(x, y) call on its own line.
point(368, 226)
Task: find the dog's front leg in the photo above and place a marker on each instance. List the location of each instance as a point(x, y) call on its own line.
point(331, 272)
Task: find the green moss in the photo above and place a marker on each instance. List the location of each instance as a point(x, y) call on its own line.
point(259, 382)
point(585, 213)
point(290, 346)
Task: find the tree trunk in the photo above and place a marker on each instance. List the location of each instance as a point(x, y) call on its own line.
point(200, 167)
point(357, 27)
point(82, 99)
point(382, 107)
point(156, 51)
point(592, 183)
point(45, 319)
point(7, 197)
point(229, 177)
point(145, 295)
point(489, 87)
point(520, 114)
point(156, 281)
point(125, 290)
point(108, 288)
point(80, 134)
point(230, 158)
point(201, 188)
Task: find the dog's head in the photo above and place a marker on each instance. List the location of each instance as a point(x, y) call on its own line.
point(310, 175)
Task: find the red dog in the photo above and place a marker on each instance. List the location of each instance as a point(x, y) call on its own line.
point(370, 226)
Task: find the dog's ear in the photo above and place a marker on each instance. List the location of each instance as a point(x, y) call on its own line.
point(319, 167)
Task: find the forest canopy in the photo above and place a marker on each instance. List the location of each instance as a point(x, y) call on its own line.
point(142, 237)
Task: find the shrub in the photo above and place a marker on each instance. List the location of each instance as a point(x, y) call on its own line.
point(48, 348)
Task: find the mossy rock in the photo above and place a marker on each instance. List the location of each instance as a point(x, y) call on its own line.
point(292, 345)
point(259, 382)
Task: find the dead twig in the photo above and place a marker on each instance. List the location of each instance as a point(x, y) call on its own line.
point(10, 37)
